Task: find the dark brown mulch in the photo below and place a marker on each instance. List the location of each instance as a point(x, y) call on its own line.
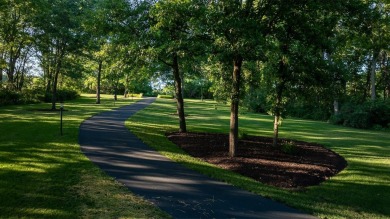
point(310, 164)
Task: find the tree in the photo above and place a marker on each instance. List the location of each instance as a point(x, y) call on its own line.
point(238, 29)
point(301, 27)
point(173, 39)
point(58, 34)
point(15, 40)
point(105, 22)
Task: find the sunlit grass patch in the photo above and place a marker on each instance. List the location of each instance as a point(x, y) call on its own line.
point(45, 175)
point(362, 190)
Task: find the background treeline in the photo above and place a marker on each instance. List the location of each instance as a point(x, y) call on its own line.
point(323, 60)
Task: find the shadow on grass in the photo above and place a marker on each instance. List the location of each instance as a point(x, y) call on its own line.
point(360, 191)
point(45, 175)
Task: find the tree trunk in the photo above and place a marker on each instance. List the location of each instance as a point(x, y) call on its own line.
point(21, 81)
point(277, 116)
point(235, 98)
point(279, 95)
point(49, 75)
point(127, 90)
point(1, 68)
point(22, 71)
point(54, 93)
point(373, 76)
point(11, 73)
point(368, 84)
point(98, 82)
point(116, 83)
point(179, 94)
point(385, 75)
point(336, 107)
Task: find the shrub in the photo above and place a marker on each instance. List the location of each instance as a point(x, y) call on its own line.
point(336, 119)
point(379, 112)
point(371, 114)
point(9, 97)
point(135, 95)
point(256, 102)
point(358, 120)
point(242, 135)
point(63, 95)
point(165, 96)
point(288, 147)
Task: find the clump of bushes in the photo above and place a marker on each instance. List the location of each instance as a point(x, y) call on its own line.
point(140, 95)
point(10, 97)
point(63, 95)
point(289, 147)
point(165, 96)
point(372, 114)
point(242, 135)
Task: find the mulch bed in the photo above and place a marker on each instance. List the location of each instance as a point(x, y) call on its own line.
point(309, 165)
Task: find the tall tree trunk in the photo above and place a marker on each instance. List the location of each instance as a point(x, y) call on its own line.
point(21, 81)
point(98, 82)
point(55, 82)
point(368, 84)
point(58, 61)
point(179, 94)
point(49, 77)
point(387, 84)
point(22, 71)
point(1, 68)
point(116, 83)
point(235, 98)
point(279, 95)
point(277, 114)
point(373, 76)
point(336, 107)
point(13, 58)
point(385, 76)
point(11, 72)
point(127, 87)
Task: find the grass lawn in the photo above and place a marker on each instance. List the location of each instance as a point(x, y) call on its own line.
point(45, 175)
point(362, 190)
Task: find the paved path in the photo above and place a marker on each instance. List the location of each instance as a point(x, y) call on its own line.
point(181, 192)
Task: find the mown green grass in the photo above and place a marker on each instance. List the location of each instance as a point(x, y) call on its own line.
point(362, 190)
point(45, 175)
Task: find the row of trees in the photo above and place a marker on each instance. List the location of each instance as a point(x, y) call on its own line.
point(298, 57)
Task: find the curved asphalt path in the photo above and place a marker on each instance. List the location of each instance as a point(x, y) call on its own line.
point(181, 192)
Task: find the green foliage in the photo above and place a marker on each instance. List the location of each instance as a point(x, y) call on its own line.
point(256, 101)
point(10, 97)
point(242, 134)
point(288, 147)
point(319, 110)
point(197, 88)
point(63, 95)
point(365, 116)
